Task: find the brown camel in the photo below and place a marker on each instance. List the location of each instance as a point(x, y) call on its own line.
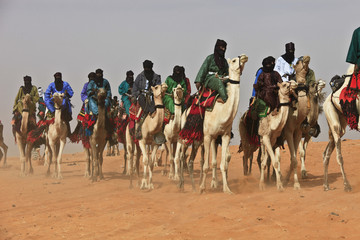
point(98, 137)
point(219, 122)
point(270, 128)
point(56, 137)
point(25, 147)
point(171, 132)
point(316, 98)
point(337, 126)
point(292, 129)
point(3, 145)
point(150, 127)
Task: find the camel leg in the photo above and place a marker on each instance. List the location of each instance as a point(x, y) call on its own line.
point(29, 148)
point(108, 152)
point(202, 160)
point(125, 158)
point(48, 159)
point(245, 161)
point(290, 140)
point(177, 161)
point(101, 159)
point(21, 146)
point(214, 181)
point(174, 168)
point(166, 146)
point(95, 162)
point(294, 163)
point(59, 156)
point(340, 161)
point(194, 150)
point(225, 159)
point(302, 152)
point(263, 154)
point(207, 143)
point(274, 160)
point(87, 163)
point(151, 165)
point(5, 148)
point(144, 183)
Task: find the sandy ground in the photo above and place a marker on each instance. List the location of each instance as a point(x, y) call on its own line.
point(36, 207)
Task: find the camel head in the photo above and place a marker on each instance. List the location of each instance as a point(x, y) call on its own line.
point(26, 101)
point(58, 99)
point(315, 88)
point(284, 89)
point(159, 90)
point(301, 69)
point(178, 93)
point(236, 66)
point(101, 96)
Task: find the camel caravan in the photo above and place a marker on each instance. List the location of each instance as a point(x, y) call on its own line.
point(284, 109)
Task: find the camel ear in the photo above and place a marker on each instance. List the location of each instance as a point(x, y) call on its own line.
point(152, 88)
point(228, 60)
point(278, 84)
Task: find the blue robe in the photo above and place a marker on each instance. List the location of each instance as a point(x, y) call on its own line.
point(124, 88)
point(66, 102)
point(93, 107)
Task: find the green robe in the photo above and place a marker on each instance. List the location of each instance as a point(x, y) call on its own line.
point(206, 76)
point(353, 55)
point(310, 77)
point(168, 100)
point(18, 107)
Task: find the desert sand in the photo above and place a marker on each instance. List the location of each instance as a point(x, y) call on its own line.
point(37, 207)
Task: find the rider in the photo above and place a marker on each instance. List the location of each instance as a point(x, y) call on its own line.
point(41, 106)
point(28, 88)
point(98, 82)
point(188, 86)
point(214, 67)
point(125, 89)
point(285, 64)
point(142, 84)
point(60, 86)
point(172, 81)
point(266, 87)
point(353, 57)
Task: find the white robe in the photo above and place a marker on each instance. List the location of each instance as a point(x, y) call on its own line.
point(284, 68)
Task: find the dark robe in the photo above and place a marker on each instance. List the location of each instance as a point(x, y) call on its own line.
point(267, 90)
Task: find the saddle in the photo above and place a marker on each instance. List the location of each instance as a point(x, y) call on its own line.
point(207, 99)
point(336, 82)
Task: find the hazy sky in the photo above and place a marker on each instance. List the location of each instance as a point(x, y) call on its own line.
point(75, 37)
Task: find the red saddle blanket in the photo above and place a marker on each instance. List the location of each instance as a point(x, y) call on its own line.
point(348, 97)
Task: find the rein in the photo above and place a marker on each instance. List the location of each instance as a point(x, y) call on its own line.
point(25, 110)
point(159, 106)
point(178, 104)
point(233, 82)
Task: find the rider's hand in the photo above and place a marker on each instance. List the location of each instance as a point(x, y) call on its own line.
point(198, 85)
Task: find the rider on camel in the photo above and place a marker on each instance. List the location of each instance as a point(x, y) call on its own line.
point(213, 69)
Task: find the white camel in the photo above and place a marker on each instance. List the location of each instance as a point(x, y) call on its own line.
point(24, 146)
point(316, 98)
point(292, 129)
point(171, 131)
point(337, 126)
point(270, 128)
point(56, 137)
point(219, 122)
point(150, 127)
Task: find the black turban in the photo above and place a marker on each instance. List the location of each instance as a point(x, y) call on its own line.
point(289, 55)
point(219, 54)
point(57, 74)
point(177, 74)
point(27, 84)
point(100, 71)
point(129, 73)
point(148, 64)
point(92, 76)
point(268, 64)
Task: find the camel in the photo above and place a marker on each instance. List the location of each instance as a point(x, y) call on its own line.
point(172, 130)
point(219, 122)
point(25, 147)
point(3, 145)
point(98, 137)
point(56, 136)
point(270, 128)
point(316, 98)
point(292, 129)
point(246, 147)
point(337, 126)
point(150, 127)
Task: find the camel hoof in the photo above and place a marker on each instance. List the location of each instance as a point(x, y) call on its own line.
point(214, 184)
point(176, 177)
point(101, 177)
point(151, 186)
point(262, 186)
point(156, 164)
point(31, 171)
point(164, 173)
point(202, 189)
point(296, 186)
point(347, 188)
point(143, 184)
point(59, 176)
point(303, 174)
point(94, 179)
point(227, 190)
point(326, 187)
point(280, 187)
point(4, 165)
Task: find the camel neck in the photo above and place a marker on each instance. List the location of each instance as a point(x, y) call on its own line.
point(24, 122)
point(101, 116)
point(57, 121)
point(302, 106)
